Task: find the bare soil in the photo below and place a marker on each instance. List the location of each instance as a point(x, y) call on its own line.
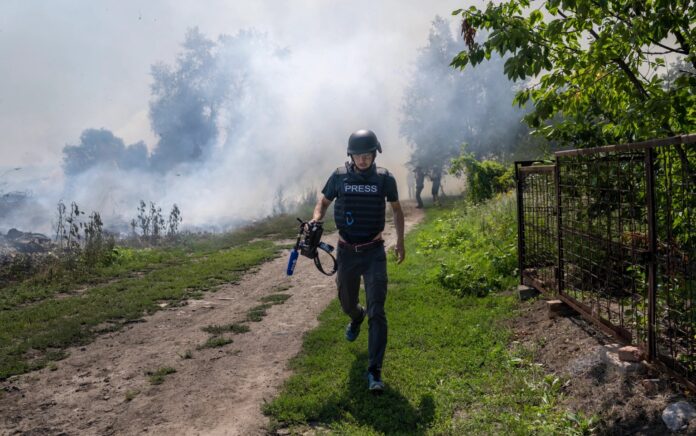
point(626, 403)
point(103, 388)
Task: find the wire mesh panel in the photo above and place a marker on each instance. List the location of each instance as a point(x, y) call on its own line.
point(603, 238)
point(617, 225)
point(674, 171)
point(537, 194)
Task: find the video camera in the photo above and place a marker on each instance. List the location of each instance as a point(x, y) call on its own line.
point(308, 244)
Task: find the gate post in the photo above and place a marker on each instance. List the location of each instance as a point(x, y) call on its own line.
point(560, 283)
point(520, 224)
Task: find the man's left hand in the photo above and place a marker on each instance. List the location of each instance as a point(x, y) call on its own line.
point(400, 252)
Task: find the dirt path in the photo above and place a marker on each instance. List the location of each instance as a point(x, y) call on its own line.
point(102, 388)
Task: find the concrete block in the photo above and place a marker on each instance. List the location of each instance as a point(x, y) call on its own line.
point(630, 353)
point(525, 292)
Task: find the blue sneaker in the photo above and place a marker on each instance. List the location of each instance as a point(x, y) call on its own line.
point(353, 329)
point(374, 382)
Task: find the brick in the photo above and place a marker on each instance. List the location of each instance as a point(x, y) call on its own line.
point(630, 353)
point(610, 356)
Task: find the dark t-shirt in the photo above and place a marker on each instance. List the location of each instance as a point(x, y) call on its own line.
point(333, 186)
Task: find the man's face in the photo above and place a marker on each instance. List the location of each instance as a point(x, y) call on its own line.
point(363, 161)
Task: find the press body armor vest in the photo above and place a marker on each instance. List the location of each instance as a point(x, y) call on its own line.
point(360, 204)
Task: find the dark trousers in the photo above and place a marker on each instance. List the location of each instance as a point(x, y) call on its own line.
point(419, 189)
point(371, 265)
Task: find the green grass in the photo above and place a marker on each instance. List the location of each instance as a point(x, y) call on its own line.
point(448, 367)
point(132, 262)
point(157, 377)
point(50, 325)
point(227, 328)
point(215, 342)
point(275, 298)
point(256, 314)
point(56, 279)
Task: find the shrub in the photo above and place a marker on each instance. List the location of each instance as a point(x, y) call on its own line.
point(483, 179)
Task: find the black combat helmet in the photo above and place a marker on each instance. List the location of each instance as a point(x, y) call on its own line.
point(363, 141)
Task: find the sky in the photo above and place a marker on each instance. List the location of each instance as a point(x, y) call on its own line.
point(70, 65)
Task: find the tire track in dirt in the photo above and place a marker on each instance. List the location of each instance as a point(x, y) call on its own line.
point(102, 388)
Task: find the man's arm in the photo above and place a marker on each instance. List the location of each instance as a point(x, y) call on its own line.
point(399, 224)
point(320, 209)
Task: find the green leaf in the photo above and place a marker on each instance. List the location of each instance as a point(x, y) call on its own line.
point(535, 17)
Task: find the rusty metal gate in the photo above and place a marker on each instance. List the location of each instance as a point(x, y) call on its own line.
point(536, 224)
point(612, 232)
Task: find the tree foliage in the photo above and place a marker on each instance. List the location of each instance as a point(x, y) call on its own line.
point(102, 147)
point(185, 102)
point(598, 66)
point(207, 91)
point(444, 108)
point(483, 178)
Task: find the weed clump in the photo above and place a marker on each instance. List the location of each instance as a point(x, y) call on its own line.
point(275, 298)
point(256, 314)
point(215, 342)
point(220, 329)
point(157, 377)
point(131, 394)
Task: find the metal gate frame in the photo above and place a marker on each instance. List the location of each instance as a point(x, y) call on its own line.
point(647, 333)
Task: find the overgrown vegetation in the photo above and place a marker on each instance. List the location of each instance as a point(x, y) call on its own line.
point(152, 225)
point(475, 246)
point(448, 368)
point(483, 178)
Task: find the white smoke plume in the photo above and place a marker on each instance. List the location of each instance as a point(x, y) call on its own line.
point(236, 119)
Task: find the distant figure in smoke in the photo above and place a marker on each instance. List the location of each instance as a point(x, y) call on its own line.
point(360, 189)
point(411, 183)
point(436, 177)
point(420, 179)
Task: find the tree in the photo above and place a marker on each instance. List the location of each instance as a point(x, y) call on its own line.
point(444, 108)
point(598, 65)
point(209, 88)
point(184, 104)
point(102, 147)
